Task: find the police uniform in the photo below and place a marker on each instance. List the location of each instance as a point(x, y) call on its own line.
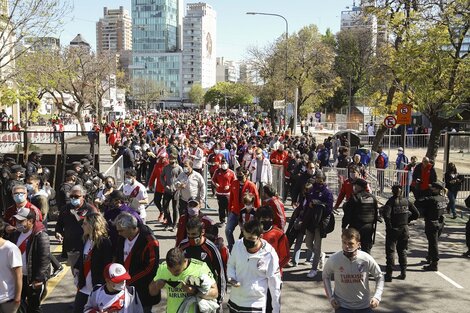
point(433, 208)
point(361, 213)
point(397, 212)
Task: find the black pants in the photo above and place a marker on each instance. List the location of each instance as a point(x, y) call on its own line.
point(182, 207)
point(31, 298)
point(432, 229)
point(158, 201)
point(167, 198)
point(396, 240)
point(80, 301)
point(367, 232)
point(287, 189)
point(222, 200)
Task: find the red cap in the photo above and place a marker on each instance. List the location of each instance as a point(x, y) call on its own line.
point(116, 273)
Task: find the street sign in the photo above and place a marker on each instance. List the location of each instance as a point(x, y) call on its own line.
point(404, 114)
point(279, 104)
point(390, 121)
point(318, 115)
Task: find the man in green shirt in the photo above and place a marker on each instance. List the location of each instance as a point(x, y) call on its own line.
point(180, 277)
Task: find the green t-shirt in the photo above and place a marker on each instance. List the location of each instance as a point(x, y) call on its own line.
point(175, 292)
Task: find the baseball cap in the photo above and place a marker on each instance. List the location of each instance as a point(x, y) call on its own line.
point(22, 214)
point(16, 169)
point(193, 201)
point(116, 273)
point(400, 149)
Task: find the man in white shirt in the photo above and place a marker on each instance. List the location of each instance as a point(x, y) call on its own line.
point(197, 156)
point(253, 271)
point(351, 268)
point(11, 274)
point(190, 184)
point(136, 193)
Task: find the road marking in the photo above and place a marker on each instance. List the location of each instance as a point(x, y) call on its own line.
point(449, 280)
point(53, 282)
point(382, 236)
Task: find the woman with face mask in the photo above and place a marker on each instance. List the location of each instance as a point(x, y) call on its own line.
point(103, 193)
point(95, 254)
point(114, 296)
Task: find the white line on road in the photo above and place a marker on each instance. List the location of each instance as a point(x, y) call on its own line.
point(449, 280)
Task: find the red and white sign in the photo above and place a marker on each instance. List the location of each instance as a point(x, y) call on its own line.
point(390, 121)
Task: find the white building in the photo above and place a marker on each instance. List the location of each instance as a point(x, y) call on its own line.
point(355, 19)
point(227, 70)
point(199, 42)
point(114, 31)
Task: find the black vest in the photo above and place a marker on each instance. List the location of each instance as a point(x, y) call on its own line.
point(399, 213)
point(366, 213)
point(434, 207)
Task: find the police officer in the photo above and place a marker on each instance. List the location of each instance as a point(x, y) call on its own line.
point(78, 168)
point(63, 194)
point(33, 166)
point(397, 213)
point(433, 208)
point(361, 213)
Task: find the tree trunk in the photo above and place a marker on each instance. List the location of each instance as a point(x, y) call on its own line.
point(435, 137)
point(378, 137)
point(82, 123)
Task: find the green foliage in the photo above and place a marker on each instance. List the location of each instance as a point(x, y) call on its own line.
point(8, 96)
point(231, 93)
point(196, 94)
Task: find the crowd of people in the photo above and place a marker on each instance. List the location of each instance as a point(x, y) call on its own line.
point(180, 156)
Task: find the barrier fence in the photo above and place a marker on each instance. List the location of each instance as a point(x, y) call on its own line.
point(116, 170)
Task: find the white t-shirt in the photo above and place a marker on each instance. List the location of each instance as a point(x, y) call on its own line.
point(138, 192)
point(128, 245)
point(88, 288)
point(21, 239)
point(11, 257)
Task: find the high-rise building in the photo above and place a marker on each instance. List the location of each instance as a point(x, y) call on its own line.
point(80, 42)
point(114, 31)
point(157, 43)
point(355, 18)
point(227, 70)
point(199, 37)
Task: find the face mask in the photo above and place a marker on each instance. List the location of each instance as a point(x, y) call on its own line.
point(30, 188)
point(352, 176)
point(75, 202)
point(109, 185)
point(186, 170)
point(128, 181)
point(119, 286)
point(240, 177)
point(193, 211)
point(194, 241)
point(310, 172)
point(249, 207)
point(267, 225)
point(19, 198)
point(20, 227)
point(249, 244)
point(224, 166)
point(259, 156)
point(349, 253)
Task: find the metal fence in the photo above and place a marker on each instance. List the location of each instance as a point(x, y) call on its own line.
point(116, 170)
point(411, 141)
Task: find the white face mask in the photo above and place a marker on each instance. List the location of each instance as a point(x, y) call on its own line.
point(224, 166)
point(119, 286)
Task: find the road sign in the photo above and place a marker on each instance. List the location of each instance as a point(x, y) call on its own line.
point(390, 121)
point(318, 115)
point(279, 104)
point(404, 114)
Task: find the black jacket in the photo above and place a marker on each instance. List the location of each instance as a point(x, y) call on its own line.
point(37, 253)
point(143, 265)
point(100, 257)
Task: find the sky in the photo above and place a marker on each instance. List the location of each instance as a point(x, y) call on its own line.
point(236, 31)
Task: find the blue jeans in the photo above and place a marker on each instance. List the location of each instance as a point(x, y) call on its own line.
point(451, 206)
point(344, 310)
point(232, 222)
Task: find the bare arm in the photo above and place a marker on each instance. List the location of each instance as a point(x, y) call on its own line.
point(18, 276)
point(156, 286)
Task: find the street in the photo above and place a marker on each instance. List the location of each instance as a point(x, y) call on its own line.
point(443, 291)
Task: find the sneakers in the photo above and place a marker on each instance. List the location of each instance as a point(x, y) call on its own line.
point(312, 273)
point(431, 267)
point(388, 278)
point(291, 264)
point(56, 272)
point(166, 227)
point(466, 254)
point(322, 261)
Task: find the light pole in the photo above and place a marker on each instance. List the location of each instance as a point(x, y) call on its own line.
point(287, 58)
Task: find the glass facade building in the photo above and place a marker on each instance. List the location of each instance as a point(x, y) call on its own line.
point(157, 42)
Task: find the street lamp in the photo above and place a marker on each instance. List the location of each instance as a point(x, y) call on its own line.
point(287, 58)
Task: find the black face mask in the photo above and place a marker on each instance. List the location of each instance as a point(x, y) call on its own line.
point(267, 225)
point(109, 185)
point(249, 244)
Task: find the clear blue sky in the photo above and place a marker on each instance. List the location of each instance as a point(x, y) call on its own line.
point(236, 31)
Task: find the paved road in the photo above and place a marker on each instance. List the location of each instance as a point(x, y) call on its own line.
point(443, 291)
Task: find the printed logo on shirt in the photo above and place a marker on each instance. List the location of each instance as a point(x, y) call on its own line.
point(203, 255)
point(361, 267)
point(341, 269)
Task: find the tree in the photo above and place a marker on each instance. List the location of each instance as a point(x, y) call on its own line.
point(32, 19)
point(230, 94)
point(146, 91)
point(196, 94)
